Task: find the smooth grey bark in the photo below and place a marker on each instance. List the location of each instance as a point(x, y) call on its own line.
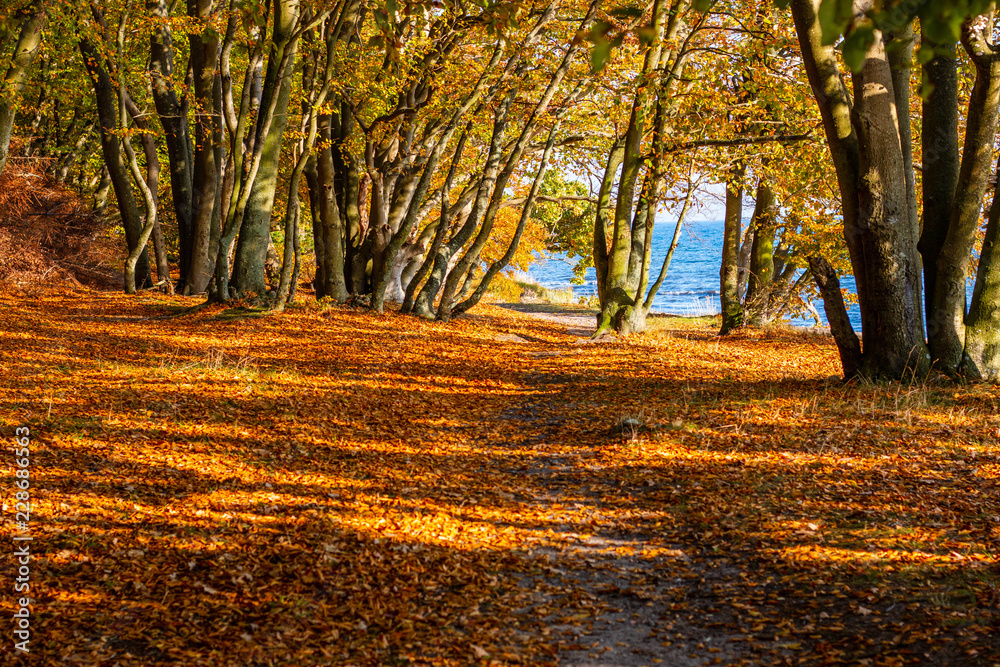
point(615, 293)
point(355, 191)
point(149, 223)
point(746, 247)
point(312, 184)
point(948, 309)
point(729, 298)
point(149, 218)
point(452, 282)
point(206, 176)
point(173, 115)
point(836, 314)
point(444, 133)
point(28, 44)
point(325, 171)
point(255, 233)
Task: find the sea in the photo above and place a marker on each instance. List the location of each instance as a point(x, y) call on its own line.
point(691, 287)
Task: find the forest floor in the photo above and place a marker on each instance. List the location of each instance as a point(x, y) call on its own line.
point(218, 486)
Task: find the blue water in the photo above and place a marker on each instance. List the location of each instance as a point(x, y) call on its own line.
point(692, 283)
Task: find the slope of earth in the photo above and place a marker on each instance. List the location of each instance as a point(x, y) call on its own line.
point(330, 487)
point(50, 235)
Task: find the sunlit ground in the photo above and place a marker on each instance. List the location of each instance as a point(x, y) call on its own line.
point(332, 487)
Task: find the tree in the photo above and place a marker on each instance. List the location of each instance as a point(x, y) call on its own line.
point(962, 340)
point(255, 230)
point(864, 133)
point(28, 44)
point(622, 260)
point(95, 32)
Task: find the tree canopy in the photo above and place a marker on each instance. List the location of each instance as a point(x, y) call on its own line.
point(410, 152)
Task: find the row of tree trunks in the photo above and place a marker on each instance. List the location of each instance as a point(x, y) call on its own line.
point(248, 277)
point(864, 137)
point(28, 45)
point(121, 180)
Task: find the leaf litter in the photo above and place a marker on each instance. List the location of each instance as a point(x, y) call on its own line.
point(334, 487)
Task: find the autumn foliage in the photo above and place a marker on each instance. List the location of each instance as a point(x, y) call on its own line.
point(218, 487)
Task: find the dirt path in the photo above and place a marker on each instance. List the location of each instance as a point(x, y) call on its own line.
point(624, 584)
point(579, 323)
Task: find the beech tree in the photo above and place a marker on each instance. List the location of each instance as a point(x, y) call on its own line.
point(870, 137)
point(12, 85)
point(414, 140)
point(864, 133)
point(623, 232)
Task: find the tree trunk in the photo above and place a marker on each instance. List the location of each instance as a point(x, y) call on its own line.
point(891, 319)
point(941, 160)
point(153, 185)
point(121, 181)
point(205, 183)
point(615, 291)
point(982, 325)
point(948, 308)
point(424, 303)
point(746, 247)
point(28, 44)
point(441, 231)
point(173, 117)
point(354, 192)
point(331, 218)
point(761, 255)
point(312, 183)
point(868, 155)
point(674, 241)
point(249, 276)
point(900, 56)
point(498, 266)
point(729, 298)
point(836, 314)
point(100, 198)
